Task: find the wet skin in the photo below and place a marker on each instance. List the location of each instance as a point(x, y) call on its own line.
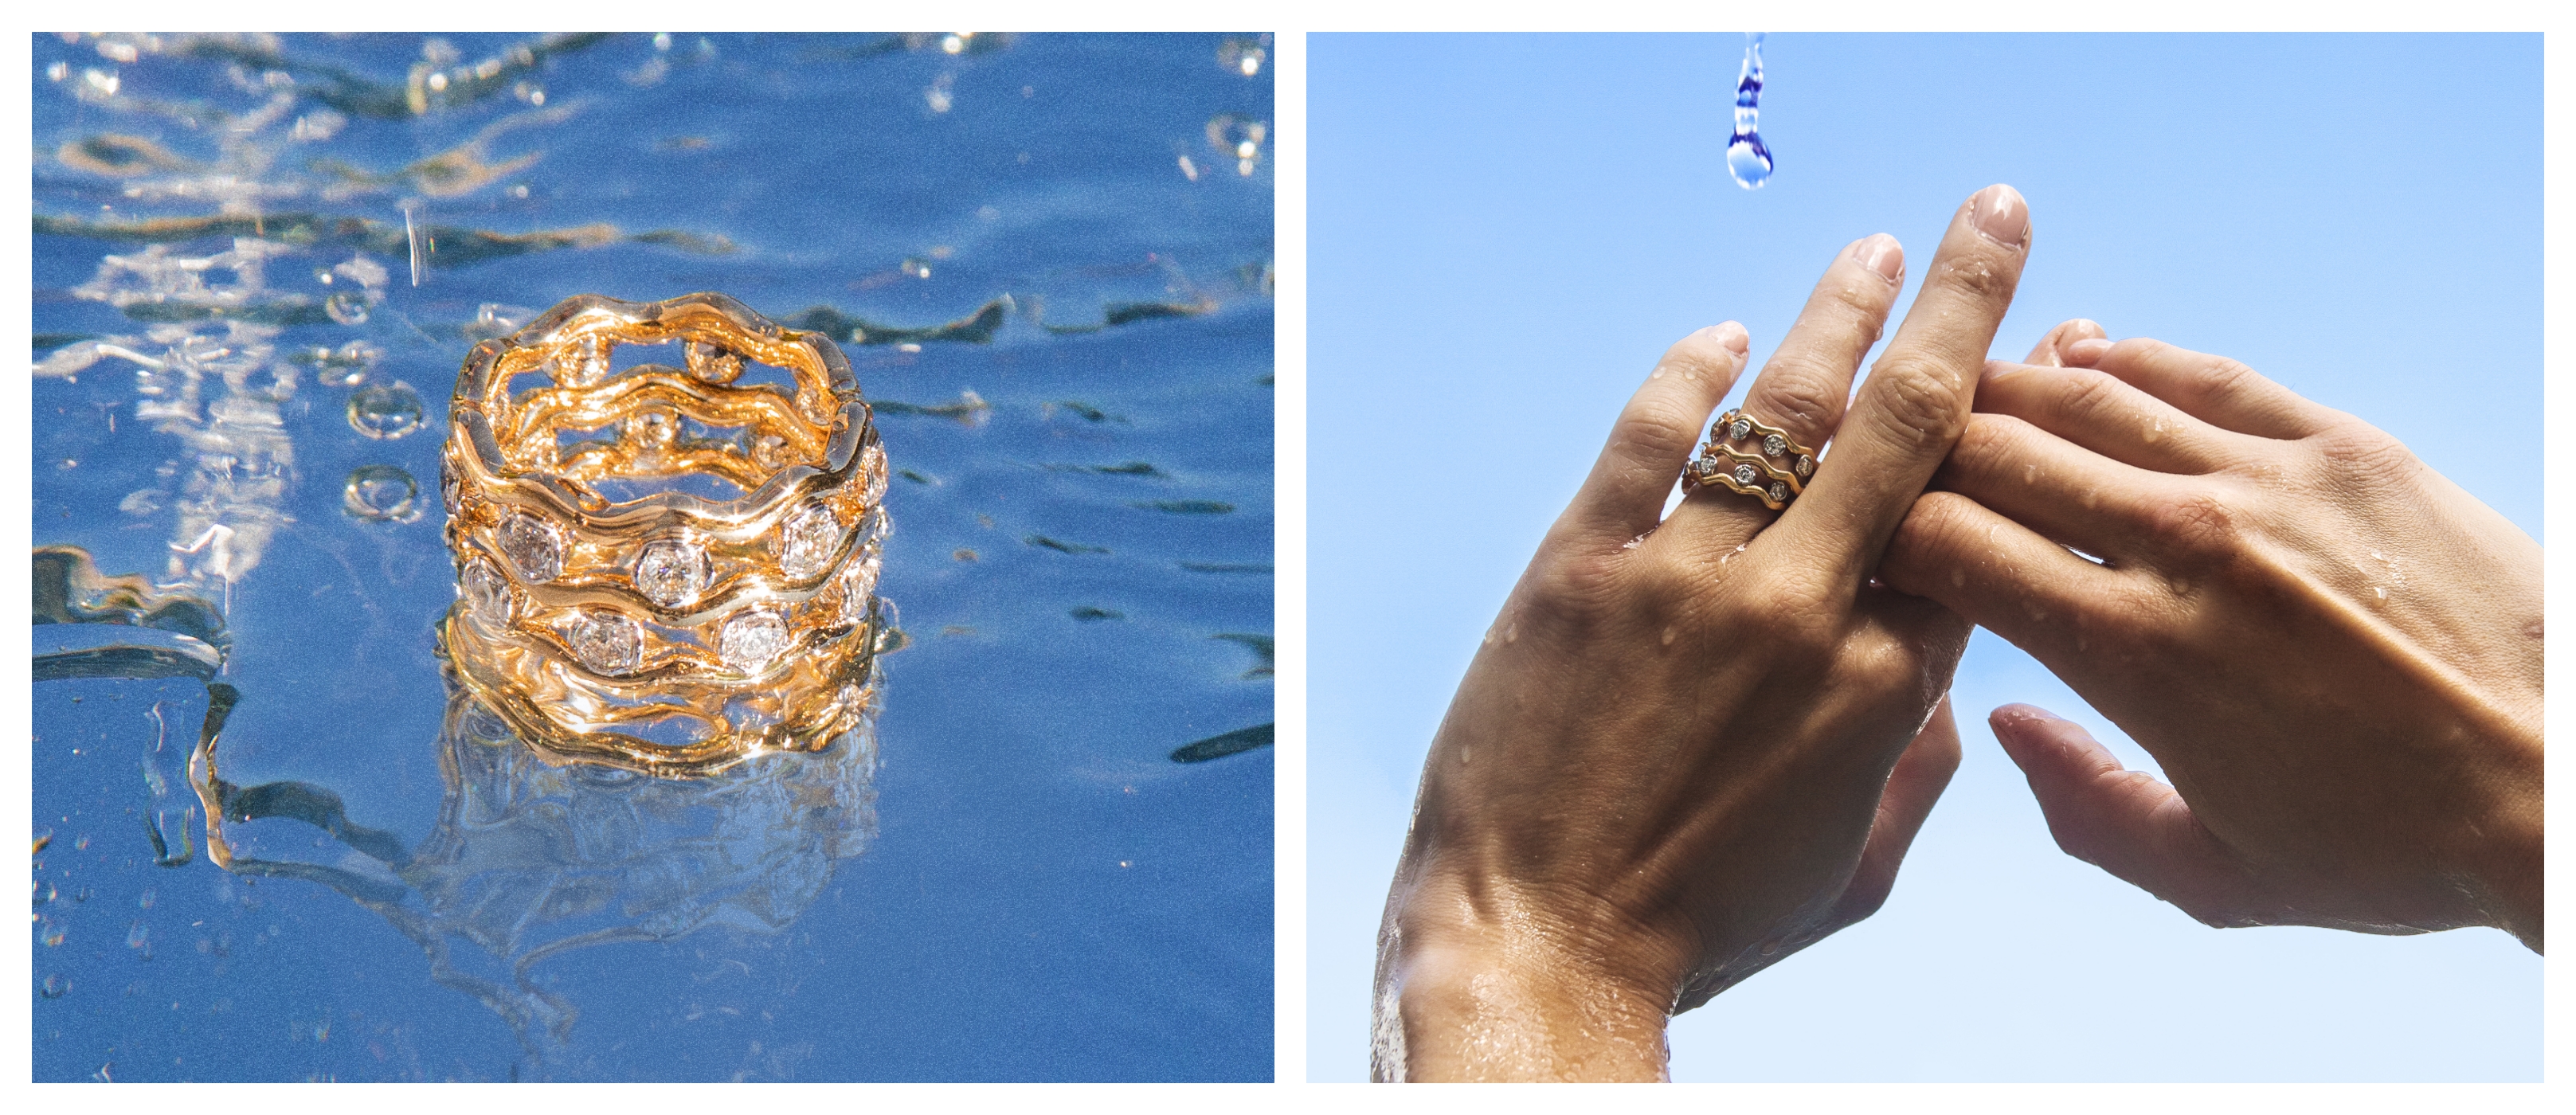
point(2333, 651)
point(1689, 748)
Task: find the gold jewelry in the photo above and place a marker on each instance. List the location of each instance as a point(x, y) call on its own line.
point(1724, 466)
point(698, 585)
point(1794, 463)
point(1776, 475)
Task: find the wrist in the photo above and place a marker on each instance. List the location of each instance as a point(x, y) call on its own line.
point(1478, 984)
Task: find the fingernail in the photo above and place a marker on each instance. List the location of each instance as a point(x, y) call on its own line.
point(2000, 215)
point(2016, 715)
point(1732, 335)
point(1881, 253)
point(2087, 352)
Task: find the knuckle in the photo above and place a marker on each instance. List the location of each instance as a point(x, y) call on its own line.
point(2219, 376)
point(1919, 396)
point(2088, 398)
point(2200, 522)
point(1798, 607)
point(1929, 534)
point(1655, 427)
point(1699, 355)
point(1571, 591)
point(1798, 393)
point(1980, 278)
point(2359, 450)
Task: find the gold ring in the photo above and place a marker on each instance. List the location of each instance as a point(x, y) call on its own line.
point(1795, 463)
point(1724, 466)
point(665, 569)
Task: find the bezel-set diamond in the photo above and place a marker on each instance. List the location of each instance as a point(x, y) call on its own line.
point(751, 640)
point(607, 642)
point(533, 545)
point(671, 572)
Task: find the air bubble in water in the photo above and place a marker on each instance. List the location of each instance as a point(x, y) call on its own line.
point(346, 308)
point(382, 494)
point(1746, 158)
point(384, 411)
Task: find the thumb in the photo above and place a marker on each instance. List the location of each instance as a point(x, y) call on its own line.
point(1921, 773)
point(2122, 821)
point(2056, 349)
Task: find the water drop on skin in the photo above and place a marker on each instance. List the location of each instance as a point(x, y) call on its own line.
point(1746, 158)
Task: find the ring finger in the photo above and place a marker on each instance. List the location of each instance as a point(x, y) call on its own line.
point(1803, 387)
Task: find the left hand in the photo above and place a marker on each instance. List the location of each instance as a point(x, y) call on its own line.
point(2333, 651)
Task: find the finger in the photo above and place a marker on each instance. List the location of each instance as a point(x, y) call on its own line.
point(2122, 821)
point(1624, 496)
point(1803, 386)
point(1921, 773)
point(2051, 349)
point(1917, 397)
point(2002, 576)
point(2215, 389)
point(2060, 490)
point(2099, 412)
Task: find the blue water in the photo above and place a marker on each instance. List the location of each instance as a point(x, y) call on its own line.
point(1057, 250)
point(1747, 160)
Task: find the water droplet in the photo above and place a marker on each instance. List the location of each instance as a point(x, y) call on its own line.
point(382, 494)
point(383, 411)
point(347, 308)
point(1746, 158)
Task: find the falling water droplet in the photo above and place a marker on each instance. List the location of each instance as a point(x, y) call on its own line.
point(1746, 158)
point(385, 411)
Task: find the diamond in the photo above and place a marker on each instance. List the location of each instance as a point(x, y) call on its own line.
point(809, 541)
point(533, 546)
point(1806, 466)
point(712, 363)
point(1779, 492)
point(606, 641)
point(450, 491)
point(1744, 474)
point(671, 572)
point(1774, 445)
point(752, 639)
point(875, 469)
point(487, 595)
point(582, 363)
point(858, 585)
point(1742, 429)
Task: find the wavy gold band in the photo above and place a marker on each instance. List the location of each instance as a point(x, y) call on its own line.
point(666, 569)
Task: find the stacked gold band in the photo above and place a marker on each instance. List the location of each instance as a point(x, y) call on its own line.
point(664, 569)
point(1775, 470)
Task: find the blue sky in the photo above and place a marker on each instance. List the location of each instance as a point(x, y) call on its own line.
point(1504, 232)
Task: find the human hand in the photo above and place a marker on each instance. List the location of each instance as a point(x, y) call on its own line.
point(1690, 748)
point(2333, 651)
